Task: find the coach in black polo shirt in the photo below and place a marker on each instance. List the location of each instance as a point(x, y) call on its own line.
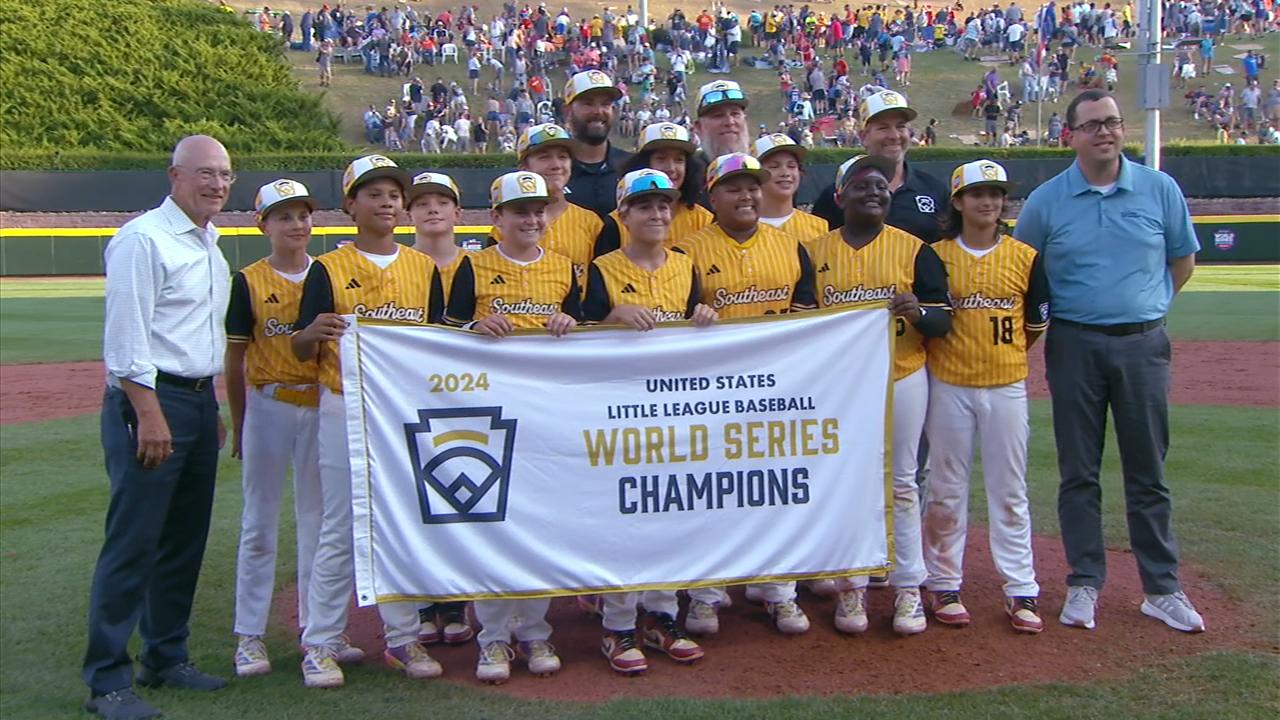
point(918, 198)
point(589, 99)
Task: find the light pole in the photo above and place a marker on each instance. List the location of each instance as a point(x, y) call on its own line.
point(1153, 81)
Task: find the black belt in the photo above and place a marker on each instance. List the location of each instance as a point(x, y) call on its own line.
point(196, 384)
point(1114, 330)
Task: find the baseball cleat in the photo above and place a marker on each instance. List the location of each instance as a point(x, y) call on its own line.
point(456, 629)
point(251, 656)
point(1024, 614)
point(878, 581)
point(851, 611)
point(664, 633)
point(623, 654)
point(1174, 610)
point(494, 665)
point(702, 618)
point(413, 661)
point(948, 610)
point(428, 631)
point(541, 657)
point(320, 668)
point(908, 612)
point(346, 653)
point(788, 617)
point(1078, 609)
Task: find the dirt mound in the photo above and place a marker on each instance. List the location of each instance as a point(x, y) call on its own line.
point(749, 659)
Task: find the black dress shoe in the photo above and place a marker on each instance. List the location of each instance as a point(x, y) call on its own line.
point(121, 704)
point(183, 676)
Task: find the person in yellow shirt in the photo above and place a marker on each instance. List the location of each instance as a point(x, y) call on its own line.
point(641, 286)
point(274, 419)
point(784, 159)
point(435, 210)
point(372, 277)
point(669, 149)
point(748, 269)
point(571, 229)
point(869, 261)
point(978, 395)
point(515, 284)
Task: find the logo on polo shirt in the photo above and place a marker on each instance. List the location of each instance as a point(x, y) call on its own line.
point(925, 204)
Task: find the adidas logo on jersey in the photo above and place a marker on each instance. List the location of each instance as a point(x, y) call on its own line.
point(498, 280)
point(629, 288)
point(272, 299)
point(825, 267)
point(353, 284)
point(713, 270)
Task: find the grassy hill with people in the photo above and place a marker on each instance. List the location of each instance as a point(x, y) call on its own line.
point(137, 76)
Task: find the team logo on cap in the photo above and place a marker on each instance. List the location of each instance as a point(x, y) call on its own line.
point(780, 139)
point(890, 97)
point(527, 183)
point(989, 171)
point(598, 77)
point(667, 131)
point(461, 460)
point(719, 85)
point(284, 188)
point(495, 187)
point(380, 161)
point(551, 130)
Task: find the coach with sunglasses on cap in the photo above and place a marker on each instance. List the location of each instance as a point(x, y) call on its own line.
point(917, 200)
point(1118, 244)
point(166, 301)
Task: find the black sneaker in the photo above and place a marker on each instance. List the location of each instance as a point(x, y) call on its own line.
point(122, 704)
point(183, 676)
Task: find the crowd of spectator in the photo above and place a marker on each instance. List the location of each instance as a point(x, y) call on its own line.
point(825, 61)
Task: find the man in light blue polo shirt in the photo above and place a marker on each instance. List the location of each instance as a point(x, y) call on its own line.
point(1118, 244)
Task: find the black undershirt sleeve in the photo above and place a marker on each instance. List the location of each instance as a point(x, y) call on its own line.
point(239, 311)
point(930, 289)
point(317, 296)
point(572, 305)
point(462, 296)
point(609, 239)
point(1036, 304)
point(435, 299)
point(695, 294)
point(806, 295)
point(596, 306)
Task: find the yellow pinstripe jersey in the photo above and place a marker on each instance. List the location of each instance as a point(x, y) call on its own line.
point(996, 298)
point(685, 221)
point(357, 286)
point(894, 262)
point(488, 283)
point(263, 318)
point(572, 235)
point(768, 274)
point(670, 292)
point(804, 226)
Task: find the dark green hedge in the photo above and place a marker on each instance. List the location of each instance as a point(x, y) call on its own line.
point(41, 159)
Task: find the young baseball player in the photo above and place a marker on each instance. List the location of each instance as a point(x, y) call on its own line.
point(748, 269)
point(434, 208)
point(783, 158)
point(571, 229)
point(378, 278)
point(977, 374)
point(515, 284)
point(274, 399)
point(868, 261)
point(640, 286)
point(667, 148)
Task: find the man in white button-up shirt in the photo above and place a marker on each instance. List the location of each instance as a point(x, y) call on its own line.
point(167, 290)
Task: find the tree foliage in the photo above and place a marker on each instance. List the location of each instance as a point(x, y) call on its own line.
point(138, 76)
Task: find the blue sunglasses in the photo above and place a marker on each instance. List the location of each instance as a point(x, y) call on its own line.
point(719, 96)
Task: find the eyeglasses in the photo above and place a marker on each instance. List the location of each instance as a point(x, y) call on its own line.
point(209, 175)
point(719, 96)
point(1093, 126)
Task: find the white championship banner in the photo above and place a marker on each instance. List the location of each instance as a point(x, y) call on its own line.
point(612, 459)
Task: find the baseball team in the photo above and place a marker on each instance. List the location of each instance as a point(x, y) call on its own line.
point(693, 231)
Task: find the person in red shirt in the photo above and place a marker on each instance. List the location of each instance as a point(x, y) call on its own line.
point(841, 68)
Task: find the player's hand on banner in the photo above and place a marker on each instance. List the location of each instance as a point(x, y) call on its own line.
point(494, 326)
point(560, 323)
point(326, 326)
point(155, 443)
point(703, 315)
point(636, 316)
point(906, 305)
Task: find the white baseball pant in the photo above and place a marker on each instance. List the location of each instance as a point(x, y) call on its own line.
point(332, 579)
point(910, 403)
point(774, 592)
point(277, 435)
point(997, 416)
point(500, 619)
point(619, 609)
